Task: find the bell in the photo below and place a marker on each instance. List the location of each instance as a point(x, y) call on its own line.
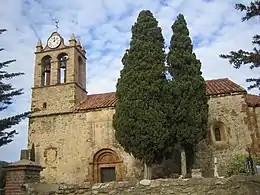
point(63, 64)
point(47, 69)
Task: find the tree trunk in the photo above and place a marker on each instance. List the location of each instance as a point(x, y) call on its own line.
point(147, 171)
point(183, 163)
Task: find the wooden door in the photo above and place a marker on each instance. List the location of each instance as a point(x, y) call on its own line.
point(108, 174)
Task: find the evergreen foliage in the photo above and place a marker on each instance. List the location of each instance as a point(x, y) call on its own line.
point(241, 57)
point(7, 92)
point(188, 89)
point(140, 119)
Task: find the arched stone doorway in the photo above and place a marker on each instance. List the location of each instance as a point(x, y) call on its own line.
point(107, 166)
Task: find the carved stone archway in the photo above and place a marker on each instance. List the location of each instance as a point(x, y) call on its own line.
point(106, 158)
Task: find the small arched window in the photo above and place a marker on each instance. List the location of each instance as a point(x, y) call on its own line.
point(218, 132)
point(62, 71)
point(46, 70)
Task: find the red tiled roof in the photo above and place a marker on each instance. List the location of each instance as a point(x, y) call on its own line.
point(222, 86)
point(94, 101)
point(252, 100)
point(214, 87)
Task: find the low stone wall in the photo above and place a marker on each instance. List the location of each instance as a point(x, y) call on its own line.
point(237, 185)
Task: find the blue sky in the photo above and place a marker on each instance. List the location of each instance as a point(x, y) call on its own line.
point(104, 28)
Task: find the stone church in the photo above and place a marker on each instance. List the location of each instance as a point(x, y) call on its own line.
point(72, 130)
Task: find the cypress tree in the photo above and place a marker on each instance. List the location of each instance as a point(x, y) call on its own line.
point(140, 119)
point(189, 119)
point(241, 57)
point(7, 92)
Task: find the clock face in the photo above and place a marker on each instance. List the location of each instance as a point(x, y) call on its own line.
point(54, 41)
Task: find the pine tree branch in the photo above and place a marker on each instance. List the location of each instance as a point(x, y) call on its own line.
point(5, 75)
point(6, 98)
point(7, 92)
point(252, 10)
point(4, 64)
point(6, 137)
point(256, 83)
point(256, 40)
point(6, 123)
point(241, 57)
point(2, 30)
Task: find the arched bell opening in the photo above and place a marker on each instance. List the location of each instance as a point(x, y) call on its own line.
point(62, 67)
point(80, 70)
point(46, 70)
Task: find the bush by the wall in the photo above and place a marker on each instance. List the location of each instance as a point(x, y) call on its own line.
point(237, 164)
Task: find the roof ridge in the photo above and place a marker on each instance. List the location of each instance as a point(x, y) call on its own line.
point(217, 79)
point(253, 94)
point(218, 86)
point(101, 93)
point(111, 92)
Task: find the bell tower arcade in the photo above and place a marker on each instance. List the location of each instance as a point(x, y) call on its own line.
point(59, 76)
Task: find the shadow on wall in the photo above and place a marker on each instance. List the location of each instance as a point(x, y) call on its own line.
point(199, 158)
point(2, 175)
point(204, 158)
point(169, 168)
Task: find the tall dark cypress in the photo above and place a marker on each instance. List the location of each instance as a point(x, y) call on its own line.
point(189, 119)
point(140, 118)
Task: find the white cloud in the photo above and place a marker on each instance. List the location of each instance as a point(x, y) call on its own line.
point(104, 27)
point(116, 7)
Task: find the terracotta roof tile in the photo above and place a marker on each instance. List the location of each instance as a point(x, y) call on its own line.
point(252, 100)
point(222, 86)
point(214, 87)
point(94, 101)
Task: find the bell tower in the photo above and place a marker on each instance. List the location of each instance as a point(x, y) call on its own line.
point(59, 76)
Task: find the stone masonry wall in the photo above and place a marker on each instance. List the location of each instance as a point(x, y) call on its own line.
point(231, 111)
point(238, 185)
point(64, 101)
point(65, 145)
point(253, 125)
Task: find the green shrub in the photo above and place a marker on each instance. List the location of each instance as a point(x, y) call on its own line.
point(237, 164)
